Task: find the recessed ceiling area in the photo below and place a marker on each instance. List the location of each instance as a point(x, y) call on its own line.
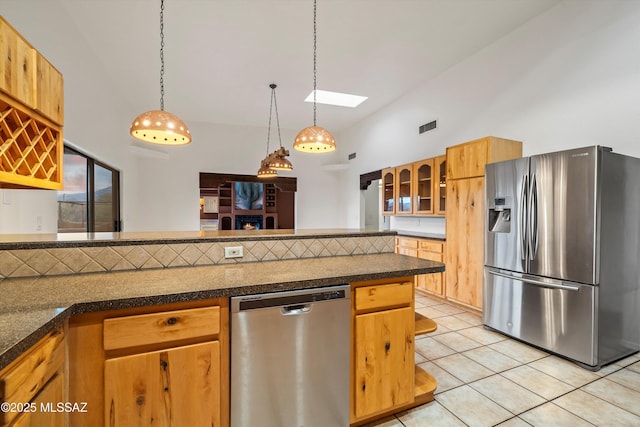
point(221, 55)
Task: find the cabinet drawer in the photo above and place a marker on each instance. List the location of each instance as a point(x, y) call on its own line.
point(430, 245)
point(373, 297)
point(407, 243)
point(154, 328)
point(432, 256)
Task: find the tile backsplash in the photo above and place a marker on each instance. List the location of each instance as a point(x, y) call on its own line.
point(72, 260)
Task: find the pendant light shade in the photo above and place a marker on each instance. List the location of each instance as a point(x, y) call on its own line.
point(265, 171)
point(159, 126)
point(278, 159)
point(314, 139)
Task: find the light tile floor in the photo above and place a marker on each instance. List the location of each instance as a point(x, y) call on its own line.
point(487, 379)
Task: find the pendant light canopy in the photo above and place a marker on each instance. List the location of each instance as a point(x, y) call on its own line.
point(159, 126)
point(277, 160)
point(314, 139)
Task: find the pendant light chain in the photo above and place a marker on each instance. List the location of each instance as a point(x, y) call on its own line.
point(314, 59)
point(270, 109)
point(162, 55)
point(275, 103)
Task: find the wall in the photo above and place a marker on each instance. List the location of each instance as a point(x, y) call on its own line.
point(159, 185)
point(168, 178)
point(568, 78)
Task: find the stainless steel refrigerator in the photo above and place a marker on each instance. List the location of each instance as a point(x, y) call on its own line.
point(562, 253)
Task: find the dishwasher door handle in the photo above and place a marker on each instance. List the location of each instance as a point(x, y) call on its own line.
point(294, 310)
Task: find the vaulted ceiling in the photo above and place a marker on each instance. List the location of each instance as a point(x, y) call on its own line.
point(221, 55)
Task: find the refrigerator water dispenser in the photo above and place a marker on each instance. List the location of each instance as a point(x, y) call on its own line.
point(499, 220)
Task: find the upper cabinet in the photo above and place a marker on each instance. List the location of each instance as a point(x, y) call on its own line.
point(404, 190)
point(415, 189)
point(468, 160)
point(50, 91)
point(31, 115)
point(388, 191)
point(440, 184)
point(423, 187)
point(18, 74)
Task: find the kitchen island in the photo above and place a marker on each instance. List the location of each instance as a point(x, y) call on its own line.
point(33, 307)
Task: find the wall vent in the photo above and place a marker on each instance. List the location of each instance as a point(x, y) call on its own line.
point(352, 156)
point(427, 127)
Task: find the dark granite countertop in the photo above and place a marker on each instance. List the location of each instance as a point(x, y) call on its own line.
point(31, 307)
point(64, 240)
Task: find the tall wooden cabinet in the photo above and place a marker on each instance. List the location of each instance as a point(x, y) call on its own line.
point(465, 210)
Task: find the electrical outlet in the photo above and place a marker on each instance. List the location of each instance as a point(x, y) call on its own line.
point(233, 252)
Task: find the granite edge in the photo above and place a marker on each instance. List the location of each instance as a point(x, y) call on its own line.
point(177, 240)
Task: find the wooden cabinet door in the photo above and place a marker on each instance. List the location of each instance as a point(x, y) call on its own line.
point(407, 246)
point(388, 191)
point(174, 387)
point(440, 185)
point(423, 176)
point(465, 240)
point(467, 160)
point(432, 282)
point(384, 360)
point(17, 76)
point(49, 91)
point(46, 412)
point(404, 194)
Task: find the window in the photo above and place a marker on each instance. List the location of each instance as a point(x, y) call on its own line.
point(90, 200)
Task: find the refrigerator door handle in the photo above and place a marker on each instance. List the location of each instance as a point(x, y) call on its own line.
point(523, 215)
point(548, 283)
point(533, 219)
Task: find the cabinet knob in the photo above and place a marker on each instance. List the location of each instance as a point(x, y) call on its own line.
point(172, 321)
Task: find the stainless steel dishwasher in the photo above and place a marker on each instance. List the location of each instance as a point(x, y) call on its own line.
point(290, 358)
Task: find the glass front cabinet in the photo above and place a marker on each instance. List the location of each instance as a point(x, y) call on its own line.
point(423, 187)
point(388, 191)
point(404, 193)
point(440, 184)
point(416, 189)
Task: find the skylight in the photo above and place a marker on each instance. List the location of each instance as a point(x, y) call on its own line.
point(336, 98)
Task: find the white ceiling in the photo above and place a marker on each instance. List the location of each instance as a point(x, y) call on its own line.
point(221, 55)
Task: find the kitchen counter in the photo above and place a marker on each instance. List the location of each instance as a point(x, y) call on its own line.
point(30, 307)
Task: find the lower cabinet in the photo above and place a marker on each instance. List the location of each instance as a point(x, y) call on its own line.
point(178, 386)
point(151, 366)
point(431, 249)
point(33, 385)
point(384, 378)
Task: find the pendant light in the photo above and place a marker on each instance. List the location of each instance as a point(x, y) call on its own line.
point(277, 160)
point(159, 126)
point(314, 139)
